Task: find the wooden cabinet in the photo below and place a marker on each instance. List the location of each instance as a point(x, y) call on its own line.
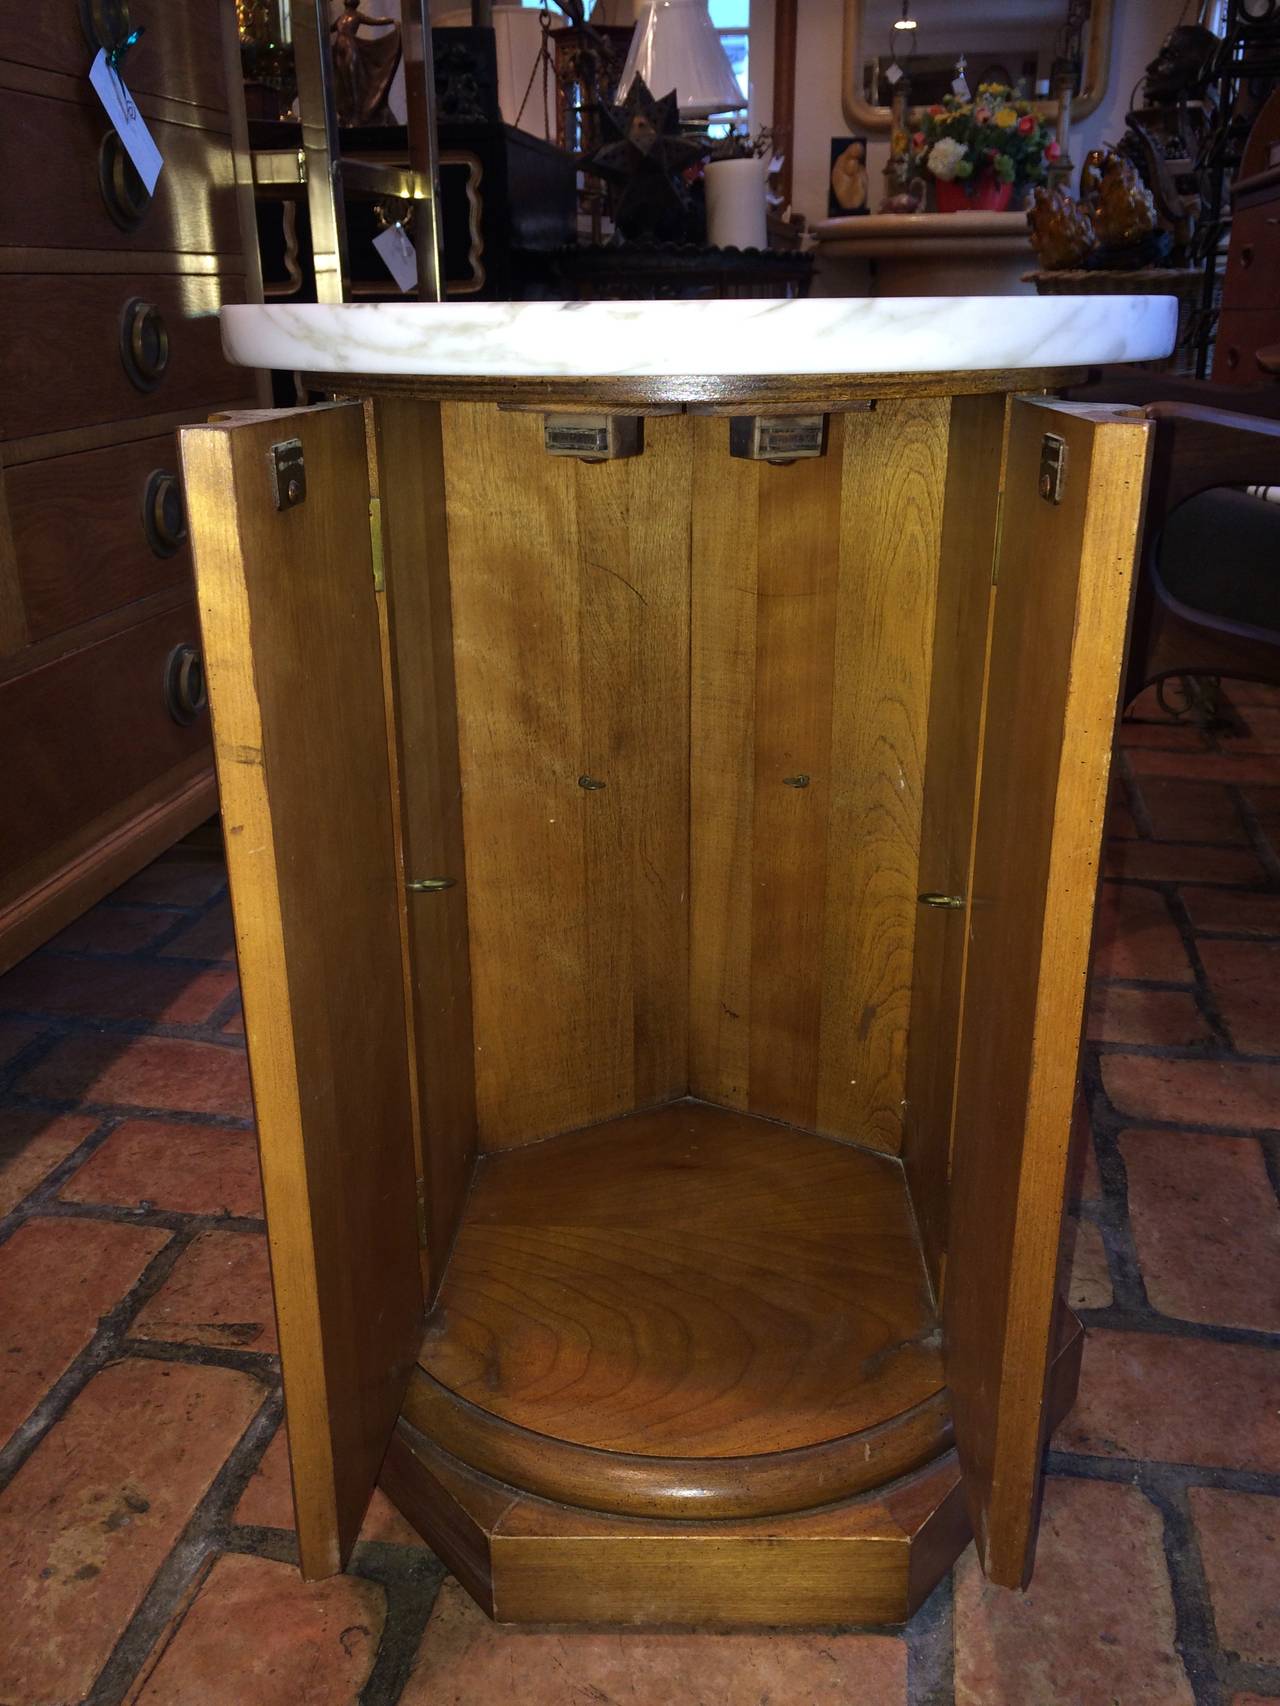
point(111, 300)
point(663, 890)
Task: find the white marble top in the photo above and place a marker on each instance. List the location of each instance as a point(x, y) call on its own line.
point(732, 339)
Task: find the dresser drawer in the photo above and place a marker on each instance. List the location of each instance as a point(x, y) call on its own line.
point(80, 192)
point(1253, 267)
point(90, 729)
point(68, 338)
point(179, 53)
point(96, 530)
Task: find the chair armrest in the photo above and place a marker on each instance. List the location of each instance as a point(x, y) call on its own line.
point(1144, 388)
point(1197, 448)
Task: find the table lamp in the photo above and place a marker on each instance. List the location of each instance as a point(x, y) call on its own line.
point(676, 46)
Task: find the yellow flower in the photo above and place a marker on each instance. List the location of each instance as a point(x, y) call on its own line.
point(1005, 117)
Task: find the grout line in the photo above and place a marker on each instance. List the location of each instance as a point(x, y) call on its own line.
point(193, 1556)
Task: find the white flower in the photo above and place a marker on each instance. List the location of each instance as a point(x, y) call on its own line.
point(945, 155)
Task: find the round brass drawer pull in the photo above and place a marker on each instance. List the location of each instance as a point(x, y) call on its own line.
point(164, 513)
point(185, 694)
point(106, 22)
point(144, 343)
point(123, 191)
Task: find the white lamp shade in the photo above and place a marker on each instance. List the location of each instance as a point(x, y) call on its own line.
point(675, 46)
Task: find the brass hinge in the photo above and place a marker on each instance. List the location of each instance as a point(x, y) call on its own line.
point(375, 544)
point(999, 531)
point(423, 1239)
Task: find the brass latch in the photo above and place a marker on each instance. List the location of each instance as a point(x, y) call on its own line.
point(288, 473)
point(593, 438)
point(1053, 467)
point(951, 901)
point(777, 438)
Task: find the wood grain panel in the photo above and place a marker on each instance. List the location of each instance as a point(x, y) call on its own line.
point(688, 1282)
point(178, 55)
point(64, 367)
point(78, 533)
point(891, 523)
point(1058, 640)
point(975, 471)
point(291, 640)
point(723, 643)
point(13, 621)
point(571, 650)
point(408, 469)
point(193, 209)
point(813, 604)
point(87, 729)
point(797, 591)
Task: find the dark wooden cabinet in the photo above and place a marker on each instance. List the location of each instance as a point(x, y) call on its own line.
point(111, 301)
point(663, 891)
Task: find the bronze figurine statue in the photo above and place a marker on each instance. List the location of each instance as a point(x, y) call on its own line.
point(363, 70)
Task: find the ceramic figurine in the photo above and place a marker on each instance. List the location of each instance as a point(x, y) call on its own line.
point(1061, 230)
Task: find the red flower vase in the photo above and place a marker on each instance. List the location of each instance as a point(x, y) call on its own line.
point(984, 193)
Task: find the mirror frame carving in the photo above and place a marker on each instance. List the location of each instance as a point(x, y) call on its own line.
point(860, 114)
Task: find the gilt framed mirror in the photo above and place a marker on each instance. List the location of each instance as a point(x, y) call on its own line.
point(1024, 42)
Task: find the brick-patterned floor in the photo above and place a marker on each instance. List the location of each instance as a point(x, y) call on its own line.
point(145, 1524)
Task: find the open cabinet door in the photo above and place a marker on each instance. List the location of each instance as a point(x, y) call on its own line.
point(291, 650)
point(1063, 584)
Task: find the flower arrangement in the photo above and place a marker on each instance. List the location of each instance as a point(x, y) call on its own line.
point(978, 151)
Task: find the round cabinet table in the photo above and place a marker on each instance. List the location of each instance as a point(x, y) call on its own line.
point(663, 752)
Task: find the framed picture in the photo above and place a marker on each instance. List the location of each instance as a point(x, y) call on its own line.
point(847, 187)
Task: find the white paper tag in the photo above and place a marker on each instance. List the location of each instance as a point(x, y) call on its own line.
point(960, 89)
point(892, 73)
point(129, 123)
point(400, 256)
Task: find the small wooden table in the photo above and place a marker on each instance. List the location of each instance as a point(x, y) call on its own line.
point(663, 811)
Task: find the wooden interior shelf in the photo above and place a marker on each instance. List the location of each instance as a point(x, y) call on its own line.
point(687, 1312)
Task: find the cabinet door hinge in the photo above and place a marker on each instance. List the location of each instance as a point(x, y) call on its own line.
point(375, 544)
point(995, 543)
point(423, 1239)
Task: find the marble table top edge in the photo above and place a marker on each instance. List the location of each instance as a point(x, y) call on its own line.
point(757, 338)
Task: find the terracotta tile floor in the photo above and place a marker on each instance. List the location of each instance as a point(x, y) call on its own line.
point(145, 1523)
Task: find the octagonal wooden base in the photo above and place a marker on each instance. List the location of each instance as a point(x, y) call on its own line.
point(870, 1560)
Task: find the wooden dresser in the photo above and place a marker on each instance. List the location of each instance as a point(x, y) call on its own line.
point(109, 302)
point(1250, 317)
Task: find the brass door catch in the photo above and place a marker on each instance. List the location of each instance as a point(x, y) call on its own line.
point(593, 438)
point(777, 438)
point(592, 784)
point(1053, 467)
point(800, 781)
point(951, 901)
point(430, 885)
point(288, 473)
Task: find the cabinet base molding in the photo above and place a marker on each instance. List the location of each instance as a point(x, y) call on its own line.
point(102, 857)
point(870, 1560)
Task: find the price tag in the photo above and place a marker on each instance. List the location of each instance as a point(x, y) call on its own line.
point(399, 255)
point(130, 126)
point(893, 73)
